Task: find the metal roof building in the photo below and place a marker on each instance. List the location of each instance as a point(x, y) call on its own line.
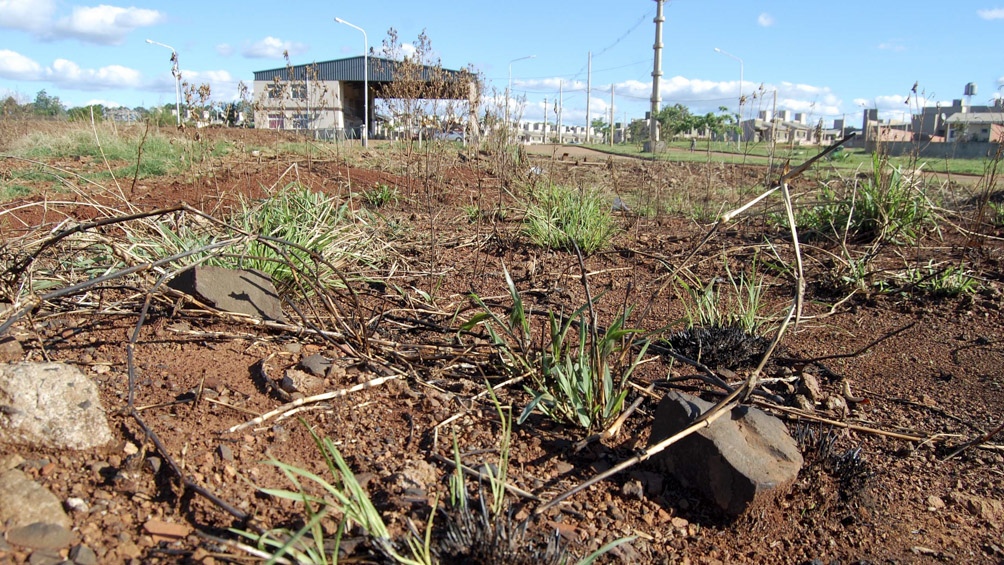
point(327, 97)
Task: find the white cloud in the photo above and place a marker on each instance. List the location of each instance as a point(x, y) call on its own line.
point(272, 48)
point(992, 14)
point(225, 49)
point(765, 20)
point(69, 74)
point(99, 101)
point(28, 15)
point(16, 66)
point(106, 25)
point(892, 45)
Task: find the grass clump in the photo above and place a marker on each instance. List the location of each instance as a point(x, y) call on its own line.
point(579, 373)
point(380, 195)
point(559, 217)
point(947, 282)
point(886, 207)
point(723, 320)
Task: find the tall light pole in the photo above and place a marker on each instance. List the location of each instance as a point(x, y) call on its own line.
point(739, 114)
point(366, 81)
point(177, 77)
point(509, 88)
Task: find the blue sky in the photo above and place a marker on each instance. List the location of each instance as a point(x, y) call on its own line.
point(827, 59)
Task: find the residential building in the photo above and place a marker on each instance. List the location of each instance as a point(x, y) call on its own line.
point(540, 132)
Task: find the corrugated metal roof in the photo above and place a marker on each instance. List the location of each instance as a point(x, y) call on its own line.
point(350, 69)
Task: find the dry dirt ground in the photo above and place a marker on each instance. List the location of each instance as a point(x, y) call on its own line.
point(920, 366)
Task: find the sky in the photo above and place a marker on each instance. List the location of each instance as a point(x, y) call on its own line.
point(829, 60)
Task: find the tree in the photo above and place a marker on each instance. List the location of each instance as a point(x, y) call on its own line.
point(47, 106)
point(674, 120)
point(601, 126)
point(83, 113)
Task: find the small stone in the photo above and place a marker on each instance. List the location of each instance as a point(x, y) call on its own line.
point(935, 503)
point(226, 453)
point(153, 464)
point(82, 555)
point(562, 467)
point(40, 535)
point(10, 350)
point(165, 531)
point(293, 347)
point(316, 364)
point(810, 386)
point(130, 448)
point(45, 557)
point(76, 504)
point(633, 489)
point(679, 522)
point(10, 461)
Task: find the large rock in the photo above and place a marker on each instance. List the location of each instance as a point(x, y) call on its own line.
point(742, 460)
point(230, 290)
point(24, 502)
point(50, 405)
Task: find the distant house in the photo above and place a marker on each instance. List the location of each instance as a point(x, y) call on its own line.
point(530, 132)
point(975, 127)
point(786, 127)
point(328, 98)
point(122, 114)
point(933, 123)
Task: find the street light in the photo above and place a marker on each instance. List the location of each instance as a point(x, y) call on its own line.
point(177, 77)
point(366, 81)
point(509, 88)
point(727, 54)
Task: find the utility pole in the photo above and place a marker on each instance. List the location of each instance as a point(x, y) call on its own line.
point(589, 89)
point(653, 125)
point(543, 135)
point(611, 140)
point(561, 102)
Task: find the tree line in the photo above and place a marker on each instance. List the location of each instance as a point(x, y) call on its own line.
point(46, 106)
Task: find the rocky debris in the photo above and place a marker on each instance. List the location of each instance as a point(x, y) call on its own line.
point(295, 381)
point(811, 388)
point(23, 502)
point(232, 290)
point(83, 555)
point(165, 531)
point(50, 405)
point(987, 509)
point(40, 535)
point(10, 350)
point(740, 461)
point(316, 364)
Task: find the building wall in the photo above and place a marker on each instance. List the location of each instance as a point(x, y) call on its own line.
point(975, 150)
point(298, 105)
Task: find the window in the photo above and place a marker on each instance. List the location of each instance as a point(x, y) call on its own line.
point(298, 91)
point(274, 90)
point(300, 121)
point(276, 120)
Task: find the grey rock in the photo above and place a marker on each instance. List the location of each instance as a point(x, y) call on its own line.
point(231, 290)
point(40, 535)
point(316, 365)
point(50, 405)
point(45, 557)
point(23, 502)
point(226, 453)
point(82, 555)
point(740, 461)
